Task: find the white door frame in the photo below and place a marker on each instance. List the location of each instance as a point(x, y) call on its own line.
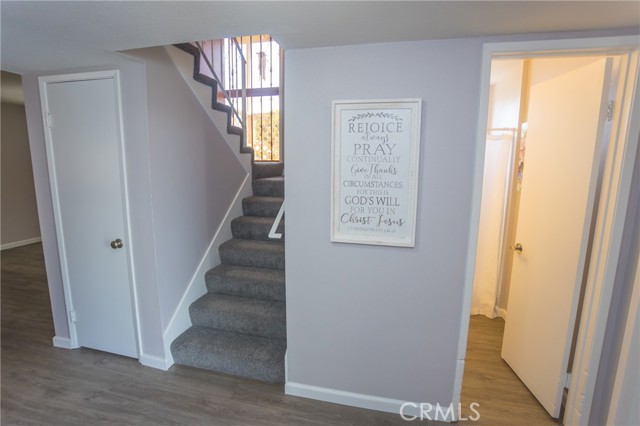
point(55, 198)
point(611, 210)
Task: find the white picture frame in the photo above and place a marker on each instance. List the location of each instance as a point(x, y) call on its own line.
point(374, 178)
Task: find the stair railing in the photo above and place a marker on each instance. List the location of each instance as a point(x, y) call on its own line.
point(238, 107)
point(237, 71)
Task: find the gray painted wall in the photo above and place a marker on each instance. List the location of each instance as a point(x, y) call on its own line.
point(134, 111)
point(194, 177)
point(19, 212)
point(380, 321)
point(182, 177)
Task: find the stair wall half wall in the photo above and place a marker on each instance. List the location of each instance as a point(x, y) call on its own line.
point(195, 182)
point(239, 326)
point(180, 320)
point(184, 64)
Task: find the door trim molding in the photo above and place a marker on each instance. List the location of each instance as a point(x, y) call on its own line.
point(55, 197)
point(611, 211)
point(624, 387)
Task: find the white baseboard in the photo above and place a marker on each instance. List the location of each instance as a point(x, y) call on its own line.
point(501, 312)
point(20, 243)
point(286, 367)
point(62, 342)
point(155, 362)
point(457, 387)
point(180, 321)
point(350, 398)
point(407, 410)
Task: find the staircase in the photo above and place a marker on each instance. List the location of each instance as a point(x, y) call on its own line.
point(239, 325)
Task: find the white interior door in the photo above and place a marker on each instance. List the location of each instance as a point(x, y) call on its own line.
point(562, 146)
point(82, 120)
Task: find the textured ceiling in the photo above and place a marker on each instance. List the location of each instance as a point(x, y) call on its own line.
point(46, 35)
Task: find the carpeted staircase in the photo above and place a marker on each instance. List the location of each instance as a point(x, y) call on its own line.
point(239, 326)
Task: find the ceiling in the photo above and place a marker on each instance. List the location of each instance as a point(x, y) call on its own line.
point(37, 36)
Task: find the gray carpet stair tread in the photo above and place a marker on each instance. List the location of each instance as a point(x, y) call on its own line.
point(255, 228)
point(232, 353)
point(271, 186)
point(261, 206)
point(244, 315)
point(258, 254)
point(258, 283)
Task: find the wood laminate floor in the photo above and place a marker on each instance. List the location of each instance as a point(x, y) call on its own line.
point(43, 385)
point(489, 381)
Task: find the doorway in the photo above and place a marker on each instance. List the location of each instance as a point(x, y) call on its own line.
point(84, 143)
point(525, 131)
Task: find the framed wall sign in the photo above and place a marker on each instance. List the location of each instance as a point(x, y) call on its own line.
point(375, 158)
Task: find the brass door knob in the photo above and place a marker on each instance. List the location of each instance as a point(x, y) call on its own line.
point(116, 244)
point(517, 248)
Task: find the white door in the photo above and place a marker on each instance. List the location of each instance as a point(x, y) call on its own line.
point(82, 119)
point(562, 145)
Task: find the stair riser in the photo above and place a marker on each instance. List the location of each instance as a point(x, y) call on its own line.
point(237, 354)
point(276, 329)
point(264, 284)
point(268, 372)
point(256, 318)
point(247, 289)
point(269, 208)
point(255, 258)
point(265, 170)
point(260, 232)
point(268, 188)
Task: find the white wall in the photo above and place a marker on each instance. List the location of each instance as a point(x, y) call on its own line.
point(504, 106)
point(486, 287)
point(506, 84)
point(19, 212)
point(380, 321)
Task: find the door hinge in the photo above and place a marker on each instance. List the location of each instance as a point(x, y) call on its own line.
point(567, 380)
point(49, 120)
point(609, 110)
point(72, 316)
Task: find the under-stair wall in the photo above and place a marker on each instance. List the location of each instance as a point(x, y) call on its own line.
point(183, 62)
point(197, 183)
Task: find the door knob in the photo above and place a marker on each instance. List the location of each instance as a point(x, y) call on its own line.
point(517, 248)
point(116, 244)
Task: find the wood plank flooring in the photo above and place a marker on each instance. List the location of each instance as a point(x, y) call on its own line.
point(489, 381)
point(43, 385)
